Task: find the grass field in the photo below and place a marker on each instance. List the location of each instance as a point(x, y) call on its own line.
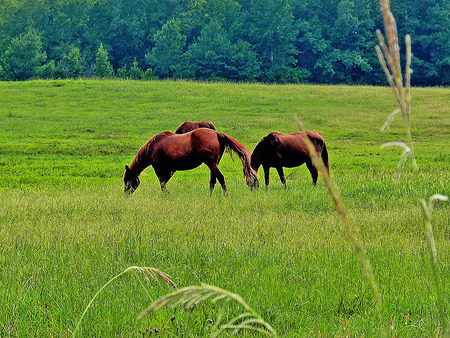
point(66, 227)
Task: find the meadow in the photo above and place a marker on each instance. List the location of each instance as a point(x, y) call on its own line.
point(66, 227)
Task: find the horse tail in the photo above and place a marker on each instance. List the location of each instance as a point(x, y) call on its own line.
point(231, 144)
point(325, 158)
point(318, 142)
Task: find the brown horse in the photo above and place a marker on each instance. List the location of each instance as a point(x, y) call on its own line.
point(288, 150)
point(168, 152)
point(189, 126)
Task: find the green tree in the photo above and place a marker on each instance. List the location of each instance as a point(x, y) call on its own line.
point(71, 65)
point(271, 30)
point(325, 41)
point(336, 42)
point(136, 72)
point(428, 23)
point(103, 67)
point(351, 43)
point(439, 20)
point(168, 58)
point(24, 58)
point(214, 56)
point(3, 75)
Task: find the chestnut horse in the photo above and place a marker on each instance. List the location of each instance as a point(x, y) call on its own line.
point(189, 126)
point(288, 150)
point(168, 152)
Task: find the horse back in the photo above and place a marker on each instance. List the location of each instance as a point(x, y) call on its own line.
point(204, 139)
point(186, 151)
point(187, 126)
point(297, 140)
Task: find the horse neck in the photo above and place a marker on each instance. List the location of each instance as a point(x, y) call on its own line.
point(141, 160)
point(255, 162)
point(256, 156)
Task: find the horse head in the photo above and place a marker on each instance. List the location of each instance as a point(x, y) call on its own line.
point(130, 180)
point(253, 182)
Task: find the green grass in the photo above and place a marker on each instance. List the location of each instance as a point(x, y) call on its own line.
point(66, 227)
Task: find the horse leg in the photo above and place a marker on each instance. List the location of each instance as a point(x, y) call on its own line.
point(313, 171)
point(281, 174)
point(212, 183)
point(266, 175)
point(215, 173)
point(164, 177)
point(163, 186)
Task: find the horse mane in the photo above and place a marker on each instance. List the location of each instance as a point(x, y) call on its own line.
point(143, 156)
point(188, 126)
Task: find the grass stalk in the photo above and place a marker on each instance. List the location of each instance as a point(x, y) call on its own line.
point(427, 210)
point(148, 273)
point(350, 232)
point(389, 57)
point(190, 296)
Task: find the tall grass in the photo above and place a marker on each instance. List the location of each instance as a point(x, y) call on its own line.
point(191, 296)
point(439, 293)
point(147, 272)
point(66, 228)
point(350, 230)
point(389, 56)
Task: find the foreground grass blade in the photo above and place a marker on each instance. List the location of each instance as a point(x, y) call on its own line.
point(389, 57)
point(190, 296)
point(149, 274)
point(427, 210)
point(350, 232)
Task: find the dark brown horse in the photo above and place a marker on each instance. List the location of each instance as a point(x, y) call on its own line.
point(288, 150)
point(168, 152)
point(189, 126)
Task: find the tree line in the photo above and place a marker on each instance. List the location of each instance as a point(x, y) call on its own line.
point(273, 41)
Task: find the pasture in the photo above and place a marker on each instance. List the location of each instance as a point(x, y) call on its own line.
point(66, 227)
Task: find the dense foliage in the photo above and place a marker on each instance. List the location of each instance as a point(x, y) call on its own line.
point(319, 41)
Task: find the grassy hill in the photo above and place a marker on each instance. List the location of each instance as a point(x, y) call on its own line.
point(66, 227)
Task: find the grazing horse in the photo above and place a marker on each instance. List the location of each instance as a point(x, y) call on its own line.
point(168, 152)
point(288, 150)
point(189, 126)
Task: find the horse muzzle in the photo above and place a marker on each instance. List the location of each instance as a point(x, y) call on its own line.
point(254, 185)
point(128, 190)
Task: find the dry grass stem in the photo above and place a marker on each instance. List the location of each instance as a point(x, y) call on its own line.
point(148, 273)
point(190, 296)
point(389, 56)
point(427, 210)
point(350, 232)
point(406, 151)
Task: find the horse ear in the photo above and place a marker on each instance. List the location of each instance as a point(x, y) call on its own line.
point(127, 167)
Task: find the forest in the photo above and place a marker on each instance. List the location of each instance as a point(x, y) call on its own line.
point(269, 41)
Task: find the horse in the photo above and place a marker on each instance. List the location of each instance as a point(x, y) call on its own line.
point(288, 150)
point(189, 126)
point(168, 152)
